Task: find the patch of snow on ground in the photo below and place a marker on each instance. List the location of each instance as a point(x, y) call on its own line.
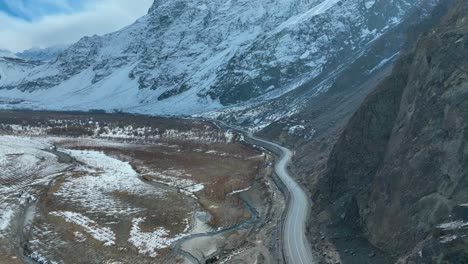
point(292, 130)
point(232, 255)
point(39, 258)
point(23, 164)
point(177, 179)
point(6, 215)
point(239, 191)
point(448, 238)
point(174, 178)
point(149, 242)
point(369, 4)
point(384, 62)
point(105, 179)
point(79, 237)
point(200, 226)
point(229, 136)
point(453, 225)
point(103, 234)
point(195, 188)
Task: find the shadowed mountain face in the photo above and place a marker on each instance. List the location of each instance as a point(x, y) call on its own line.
point(399, 171)
point(189, 56)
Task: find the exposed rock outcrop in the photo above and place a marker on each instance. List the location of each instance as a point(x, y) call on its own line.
point(399, 170)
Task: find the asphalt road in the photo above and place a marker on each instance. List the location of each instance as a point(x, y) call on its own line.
point(296, 246)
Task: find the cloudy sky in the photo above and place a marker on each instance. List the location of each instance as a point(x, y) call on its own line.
point(42, 23)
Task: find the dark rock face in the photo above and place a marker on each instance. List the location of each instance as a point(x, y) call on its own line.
point(364, 142)
point(402, 161)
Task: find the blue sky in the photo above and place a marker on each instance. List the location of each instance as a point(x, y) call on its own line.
point(41, 23)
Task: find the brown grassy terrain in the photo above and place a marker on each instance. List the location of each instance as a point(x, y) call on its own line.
point(226, 168)
point(191, 166)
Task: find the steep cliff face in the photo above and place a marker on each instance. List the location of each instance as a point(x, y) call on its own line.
point(189, 56)
point(400, 168)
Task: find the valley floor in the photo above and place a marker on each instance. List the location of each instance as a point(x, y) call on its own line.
point(83, 188)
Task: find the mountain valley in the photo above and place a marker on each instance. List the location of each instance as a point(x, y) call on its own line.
point(194, 135)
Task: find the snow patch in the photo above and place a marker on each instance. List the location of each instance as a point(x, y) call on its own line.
point(453, 225)
point(314, 11)
point(294, 129)
point(369, 4)
point(6, 215)
point(448, 238)
point(79, 237)
point(229, 136)
point(149, 242)
point(383, 62)
point(103, 234)
point(195, 188)
point(105, 178)
point(239, 191)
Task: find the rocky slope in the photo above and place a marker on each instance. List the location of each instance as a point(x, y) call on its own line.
point(192, 56)
point(398, 174)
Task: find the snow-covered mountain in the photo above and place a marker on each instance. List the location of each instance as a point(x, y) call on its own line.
point(41, 54)
point(11, 68)
point(196, 56)
point(7, 54)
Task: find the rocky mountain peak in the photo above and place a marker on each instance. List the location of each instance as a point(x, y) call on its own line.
point(195, 56)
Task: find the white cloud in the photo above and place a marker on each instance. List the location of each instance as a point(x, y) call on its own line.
point(96, 17)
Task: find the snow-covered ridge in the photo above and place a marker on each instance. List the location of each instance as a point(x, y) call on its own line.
point(7, 54)
point(12, 68)
point(196, 56)
point(41, 54)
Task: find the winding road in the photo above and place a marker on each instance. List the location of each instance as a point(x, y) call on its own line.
point(295, 243)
